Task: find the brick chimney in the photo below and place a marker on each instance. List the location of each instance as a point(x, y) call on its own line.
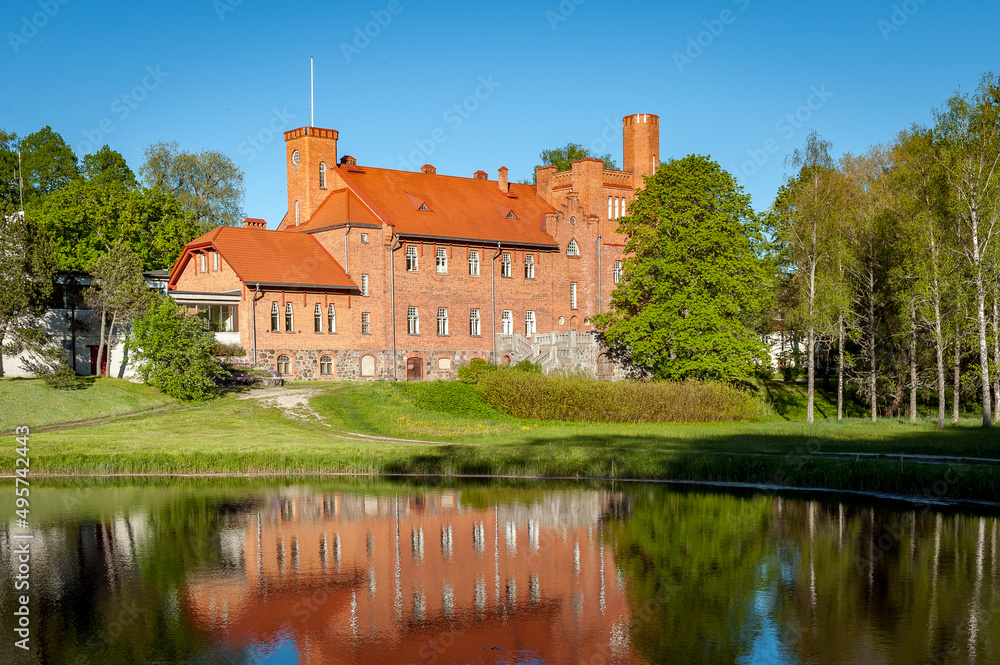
point(481, 175)
point(504, 186)
point(251, 223)
point(348, 160)
point(428, 168)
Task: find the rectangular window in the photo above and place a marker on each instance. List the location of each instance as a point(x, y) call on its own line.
point(442, 321)
point(202, 263)
point(274, 317)
point(529, 323)
point(289, 321)
point(411, 259)
point(318, 319)
point(364, 285)
point(364, 237)
point(572, 295)
point(215, 260)
point(331, 319)
point(609, 208)
point(221, 318)
point(413, 321)
point(507, 322)
point(442, 260)
point(366, 323)
point(618, 271)
point(474, 323)
point(616, 207)
point(505, 265)
point(529, 266)
point(474, 262)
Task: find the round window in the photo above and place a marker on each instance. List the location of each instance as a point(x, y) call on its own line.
point(572, 221)
point(562, 320)
point(295, 158)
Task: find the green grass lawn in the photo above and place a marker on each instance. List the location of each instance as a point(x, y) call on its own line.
point(32, 402)
point(450, 431)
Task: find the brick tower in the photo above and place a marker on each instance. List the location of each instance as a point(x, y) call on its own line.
point(310, 158)
point(641, 138)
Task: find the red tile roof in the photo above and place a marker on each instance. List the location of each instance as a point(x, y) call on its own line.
point(277, 258)
point(340, 207)
point(459, 208)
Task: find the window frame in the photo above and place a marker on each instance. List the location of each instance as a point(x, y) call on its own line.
point(617, 272)
point(275, 317)
point(287, 362)
point(530, 323)
point(529, 266)
point(202, 262)
point(323, 362)
point(441, 260)
point(366, 323)
point(573, 304)
point(474, 263)
point(289, 318)
point(573, 248)
point(412, 259)
point(322, 175)
point(442, 321)
point(507, 322)
point(317, 319)
point(331, 318)
point(475, 323)
point(364, 284)
point(506, 265)
point(215, 260)
point(413, 320)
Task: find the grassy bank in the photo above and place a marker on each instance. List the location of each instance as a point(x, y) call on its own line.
point(449, 430)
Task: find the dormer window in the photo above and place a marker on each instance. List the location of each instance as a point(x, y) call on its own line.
point(322, 175)
point(423, 208)
point(511, 215)
point(573, 249)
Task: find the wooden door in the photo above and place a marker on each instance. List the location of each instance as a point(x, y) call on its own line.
point(414, 369)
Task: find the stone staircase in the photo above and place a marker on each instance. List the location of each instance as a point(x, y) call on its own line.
point(556, 351)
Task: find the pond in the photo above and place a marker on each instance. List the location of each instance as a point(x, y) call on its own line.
point(345, 571)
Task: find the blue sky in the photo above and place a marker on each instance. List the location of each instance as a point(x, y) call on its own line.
point(741, 80)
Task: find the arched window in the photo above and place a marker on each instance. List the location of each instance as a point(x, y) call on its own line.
point(296, 213)
point(331, 319)
point(284, 365)
point(326, 366)
point(322, 175)
point(573, 249)
point(318, 318)
point(289, 322)
point(274, 317)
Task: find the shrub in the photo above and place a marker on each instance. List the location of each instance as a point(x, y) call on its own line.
point(222, 350)
point(475, 370)
point(173, 353)
point(63, 378)
point(582, 398)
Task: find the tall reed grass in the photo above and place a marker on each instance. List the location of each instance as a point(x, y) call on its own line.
point(582, 398)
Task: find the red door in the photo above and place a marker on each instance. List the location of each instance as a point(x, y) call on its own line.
point(414, 369)
point(93, 361)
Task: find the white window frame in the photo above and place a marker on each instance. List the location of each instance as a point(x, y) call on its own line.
point(331, 318)
point(215, 260)
point(289, 318)
point(366, 323)
point(442, 321)
point(618, 272)
point(441, 260)
point(573, 248)
point(413, 320)
point(203, 262)
point(505, 265)
point(323, 362)
point(530, 325)
point(529, 266)
point(287, 362)
point(364, 285)
point(572, 295)
point(412, 260)
point(364, 238)
point(322, 175)
point(317, 319)
point(507, 322)
point(474, 262)
point(275, 317)
point(475, 323)
point(617, 204)
point(609, 207)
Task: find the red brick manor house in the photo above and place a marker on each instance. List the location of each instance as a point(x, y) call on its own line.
point(378, 273)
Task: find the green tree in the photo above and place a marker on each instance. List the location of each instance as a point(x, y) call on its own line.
point(696, 277)
point(563, 158)
point(9, 190)
point(48, 161)
point(807, 208)
point(173, 353)
point(27, 267)
point(89, 217)
point(107, 165)
point(119, 293)
point(208, 184)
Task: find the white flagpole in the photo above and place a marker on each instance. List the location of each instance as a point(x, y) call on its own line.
point(312, 95)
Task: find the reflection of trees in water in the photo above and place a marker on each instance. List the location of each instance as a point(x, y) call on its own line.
point(721, 579)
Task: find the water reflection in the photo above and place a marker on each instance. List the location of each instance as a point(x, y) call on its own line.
point(349, 573)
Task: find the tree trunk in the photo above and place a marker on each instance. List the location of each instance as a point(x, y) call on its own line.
point(939, 348)
point(913, 362)
point(957, 396)
point(840, 368)
point(100, 345)
point(826, 367)
point(811, 388)
point(984, 352)
point(996, 347)
point(111, 332)
point(872, 365)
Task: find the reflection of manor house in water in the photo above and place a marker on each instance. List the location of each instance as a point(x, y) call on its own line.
point(356, 579)
point(379, 273)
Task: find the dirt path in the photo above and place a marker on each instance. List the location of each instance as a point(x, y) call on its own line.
point(293, 402)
